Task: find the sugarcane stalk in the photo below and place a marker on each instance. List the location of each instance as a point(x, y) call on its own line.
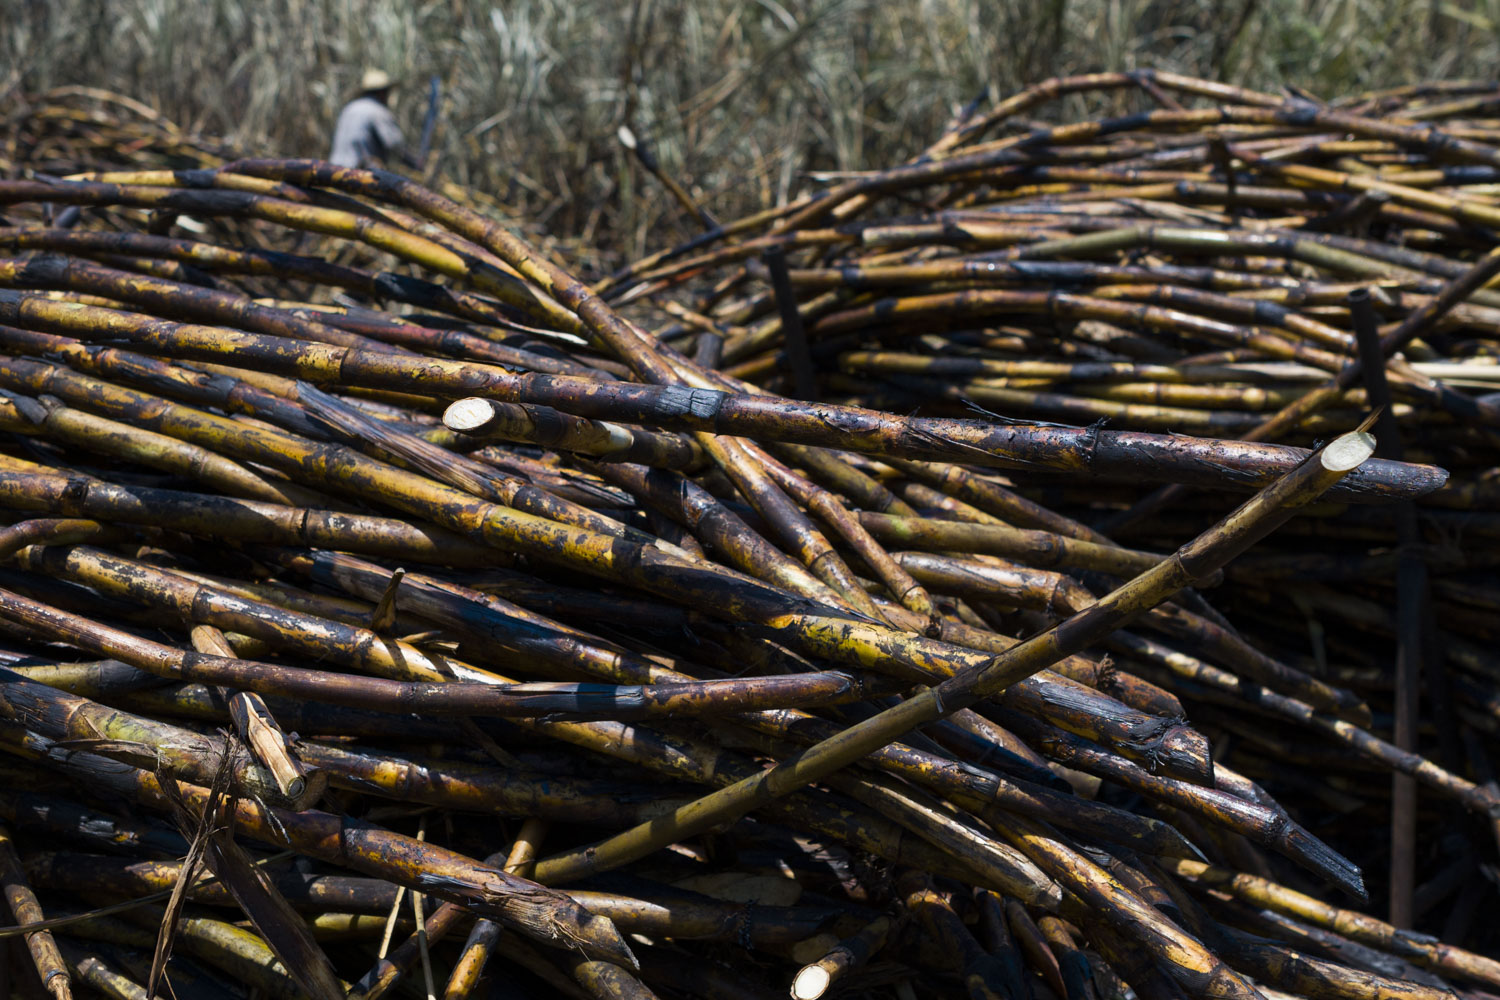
point(50, 967)
point(232, 518)
point(134, 877)
point(33, 812)
point(1029, 936)
point(48, 531)
point(1433, 954)
point(646, 156)
point(205, 703)
point(461, 698)
point(999, 941)
point(481, 942)
point(607, 981)
point(1411, 582)
point(241, 953)
point(815, 979)
point(1313, 977)
point(93, 970)
point(462, 785)
point(75, 428)
point(975, 967)
point(1072, 964)
point(489, 420)
point(254, 722)
point(1472, 795)
point(1267, 825)
point(1034, 547)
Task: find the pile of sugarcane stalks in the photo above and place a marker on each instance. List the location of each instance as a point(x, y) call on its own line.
point(74, 129)
point(492, 634)
point(70, 128)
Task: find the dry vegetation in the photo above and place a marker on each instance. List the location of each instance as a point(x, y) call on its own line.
point(535, 90)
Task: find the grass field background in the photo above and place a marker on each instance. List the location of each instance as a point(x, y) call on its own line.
point(743, 100)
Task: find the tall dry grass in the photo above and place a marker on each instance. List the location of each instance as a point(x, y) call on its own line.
point(742, 99)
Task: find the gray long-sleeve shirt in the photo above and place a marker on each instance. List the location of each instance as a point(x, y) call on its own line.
point(366, 134)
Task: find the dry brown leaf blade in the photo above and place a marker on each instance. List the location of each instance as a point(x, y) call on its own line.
point(198, 840)
point(274, 917)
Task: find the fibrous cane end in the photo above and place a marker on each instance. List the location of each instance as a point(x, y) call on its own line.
point(811, 983)
point(467, 414)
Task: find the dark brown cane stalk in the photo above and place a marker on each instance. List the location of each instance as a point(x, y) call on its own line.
point(51, 969)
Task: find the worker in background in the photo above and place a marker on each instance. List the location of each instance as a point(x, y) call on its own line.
point(366, 134)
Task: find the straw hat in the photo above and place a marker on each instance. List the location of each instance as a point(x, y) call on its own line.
point(375, 79)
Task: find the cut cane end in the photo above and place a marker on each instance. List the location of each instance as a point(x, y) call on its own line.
point(1192, 852)
point(467, 414)
point(307, 789)
point(1310, 852)
point(811, 983)
point(1352, 708)
point(600, 936)
point(1346, 452)
point(1185, 752)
